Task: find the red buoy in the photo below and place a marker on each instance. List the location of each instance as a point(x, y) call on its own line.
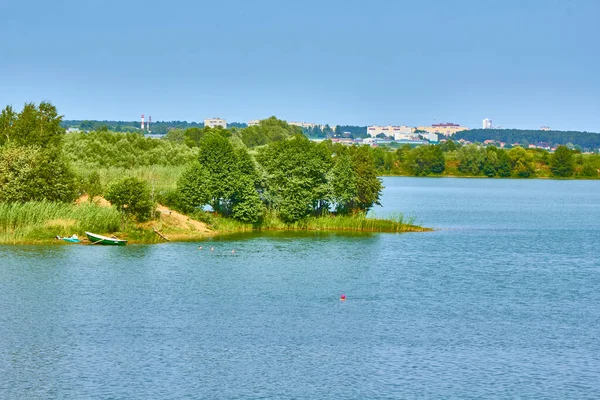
point(343, 297)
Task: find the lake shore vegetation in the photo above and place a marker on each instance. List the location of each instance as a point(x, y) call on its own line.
point(450, 159)
point(194, 183)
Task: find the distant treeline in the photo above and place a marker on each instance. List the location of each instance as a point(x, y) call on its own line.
point(163, 127)
point(157, 127)
point(587, 140)
point(123, 150)
point(349, 131)
point(452, 159)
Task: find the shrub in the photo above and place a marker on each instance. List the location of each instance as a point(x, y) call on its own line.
point(131, 196)
point(31, 174)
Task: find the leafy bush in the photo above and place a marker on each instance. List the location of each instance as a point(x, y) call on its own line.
point(30, 174)
point(131, 196)
point(124, 150)
point(562, 163)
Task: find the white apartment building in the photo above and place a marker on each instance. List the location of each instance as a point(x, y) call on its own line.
point(214, 122)
point(487, 123)
point(397, 132)
point(307, 125)
point(254, 122)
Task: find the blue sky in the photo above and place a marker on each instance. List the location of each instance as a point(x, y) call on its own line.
point(522, 63)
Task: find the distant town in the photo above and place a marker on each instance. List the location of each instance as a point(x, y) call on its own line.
point(374, 135)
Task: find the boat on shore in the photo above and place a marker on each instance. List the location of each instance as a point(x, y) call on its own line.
point(94, 238)
point(70, 239)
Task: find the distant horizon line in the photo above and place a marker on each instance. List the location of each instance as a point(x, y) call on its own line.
point(330, 125)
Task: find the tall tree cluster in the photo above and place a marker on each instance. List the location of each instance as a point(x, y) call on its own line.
point(224, 178)
point(32, 164)
point(294, 178)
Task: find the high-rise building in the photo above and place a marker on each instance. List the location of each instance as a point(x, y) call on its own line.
point(487, 123)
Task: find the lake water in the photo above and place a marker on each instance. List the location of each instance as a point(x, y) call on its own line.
point(502, 301)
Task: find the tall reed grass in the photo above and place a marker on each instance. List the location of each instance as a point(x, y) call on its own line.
point(356, 223)
point(42, 220)
point(329, 222)
point(160, 178)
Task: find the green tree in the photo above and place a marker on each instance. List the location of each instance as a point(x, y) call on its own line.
point(379, 159)
point(193, 188)
point(267, 131)
point(562, 164)
point(218, 157)
point(504, 166)
point(448, 145)
point(86, 125)
point(246, 203)
point(368, 185)
point(193, 136)
point(32, 163)
point(491, 162)
point(224, 178)
point(7, 121)
point(426, 160)
point(521, 162)
point(470, 159)
point(589, 170)
point(27, 173)
point(175, 136)
point(37, 126)
point(296, 182)
point(93, 185)
point(403, 151)
point(343, 185)
point(131, 196)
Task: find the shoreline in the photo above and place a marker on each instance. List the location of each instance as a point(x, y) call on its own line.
point(196, 237)
point(552, 178)
point(178, 227)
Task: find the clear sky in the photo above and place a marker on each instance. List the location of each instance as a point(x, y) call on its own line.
point(523, 63)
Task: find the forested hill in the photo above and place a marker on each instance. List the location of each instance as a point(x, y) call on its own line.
point(587, 140)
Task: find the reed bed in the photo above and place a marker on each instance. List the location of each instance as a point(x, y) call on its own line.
point(329, 222)
point(356, 223)
point(160, 178)
point(42, 220)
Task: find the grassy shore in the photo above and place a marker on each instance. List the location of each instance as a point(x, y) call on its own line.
point(356, 223)
point(41, 222)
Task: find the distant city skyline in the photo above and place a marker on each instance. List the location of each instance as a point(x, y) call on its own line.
point(526, 63)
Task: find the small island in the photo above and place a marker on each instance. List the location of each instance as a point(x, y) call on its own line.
point(207, 182)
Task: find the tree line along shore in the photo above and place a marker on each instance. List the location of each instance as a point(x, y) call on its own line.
point(267, 176)
point(206, 181)
point(448, 158)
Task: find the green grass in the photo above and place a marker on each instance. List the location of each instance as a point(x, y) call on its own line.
point(42, 221)
point(356, 223)
point(160, 178)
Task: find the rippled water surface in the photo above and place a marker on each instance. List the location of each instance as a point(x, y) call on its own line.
point(502, 301)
